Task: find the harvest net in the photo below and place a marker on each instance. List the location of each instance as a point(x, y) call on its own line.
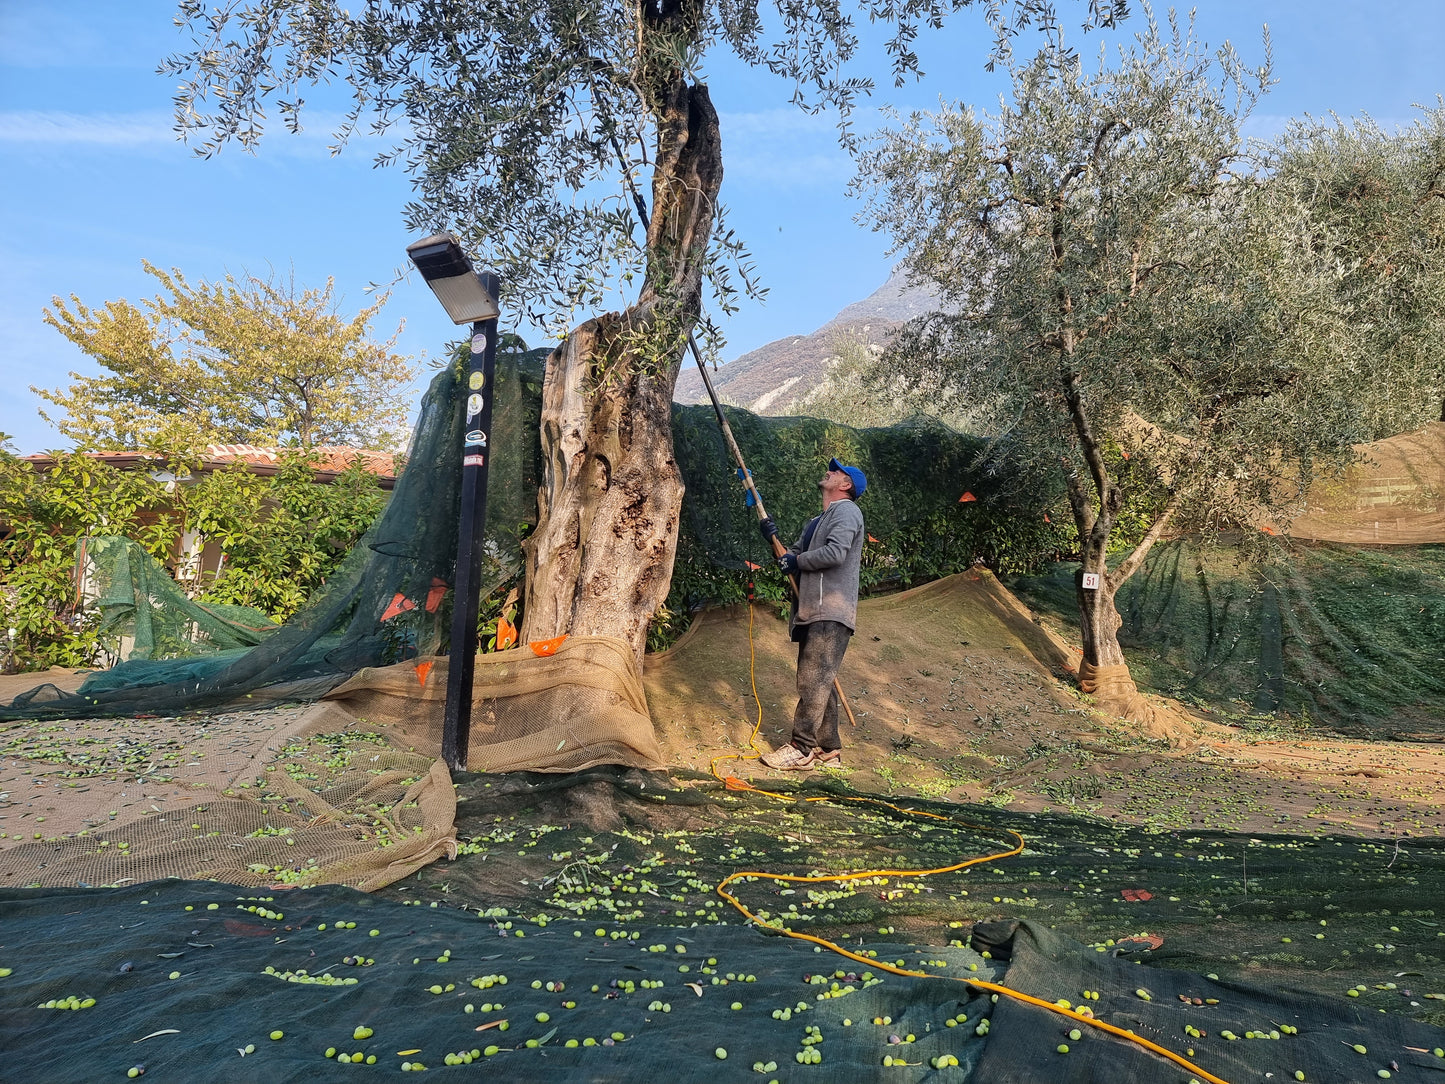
point(577, 705)
point(1309, 635)
point(388, 601)
point(1395, 495)
point(373, 641)
point(937, 500)
point(144, 614)
point(334, 793)
point(592, 876)
point(581, 912)
point(245, 798)
point(135, 786)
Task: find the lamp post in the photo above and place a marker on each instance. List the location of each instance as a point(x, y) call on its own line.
point(469, 297)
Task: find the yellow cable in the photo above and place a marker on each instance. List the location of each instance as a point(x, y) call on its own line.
point(758, 725)
point(734, 783)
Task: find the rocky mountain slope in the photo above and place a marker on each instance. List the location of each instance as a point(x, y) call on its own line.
point(773, 378)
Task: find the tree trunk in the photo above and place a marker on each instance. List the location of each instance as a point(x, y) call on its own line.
point(600, 560)
point(1099, 620)
point(1103, 671)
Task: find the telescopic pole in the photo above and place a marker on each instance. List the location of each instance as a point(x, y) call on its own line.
point(778, 548)
point(461, 665)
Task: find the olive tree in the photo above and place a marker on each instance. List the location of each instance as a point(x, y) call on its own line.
point(1375, 205)
point(1149, 320)
point(576, 148)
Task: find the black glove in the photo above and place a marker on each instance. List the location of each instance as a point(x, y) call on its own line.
point(768, 527)
point(788, 564)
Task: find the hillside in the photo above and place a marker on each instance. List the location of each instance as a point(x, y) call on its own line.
point(774, 377)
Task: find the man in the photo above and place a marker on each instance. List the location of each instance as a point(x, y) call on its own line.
point(825, 560)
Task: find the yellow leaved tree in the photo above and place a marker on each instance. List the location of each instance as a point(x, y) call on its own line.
point(236, 361)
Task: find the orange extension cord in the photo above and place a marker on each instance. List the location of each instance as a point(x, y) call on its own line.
point(734, 783)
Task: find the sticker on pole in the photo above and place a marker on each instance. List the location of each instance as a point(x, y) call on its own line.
point(476, 439)
point(474, 405)
point(476, 380)
point(474, 461)
point(1091, 581)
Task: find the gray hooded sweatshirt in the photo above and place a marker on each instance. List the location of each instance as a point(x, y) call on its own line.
point(830, 552)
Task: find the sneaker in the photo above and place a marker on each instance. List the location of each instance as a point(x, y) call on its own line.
point(828, 758)
point(789, 758)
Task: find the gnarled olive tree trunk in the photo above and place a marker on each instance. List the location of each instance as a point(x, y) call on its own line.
point(1103, 671)
point(600, 560)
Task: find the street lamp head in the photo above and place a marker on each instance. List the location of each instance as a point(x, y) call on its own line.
point(449, 273)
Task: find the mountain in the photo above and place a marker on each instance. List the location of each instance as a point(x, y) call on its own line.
point(773, 378)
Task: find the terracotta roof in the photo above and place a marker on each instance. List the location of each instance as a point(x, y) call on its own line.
point(330, 460)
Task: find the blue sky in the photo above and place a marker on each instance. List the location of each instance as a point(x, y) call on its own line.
point(94, 181)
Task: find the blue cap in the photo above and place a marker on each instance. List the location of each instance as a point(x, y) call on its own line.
point(860, 483)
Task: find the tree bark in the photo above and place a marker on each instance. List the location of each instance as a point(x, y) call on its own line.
point(1103, 671)
point(1099, 621)
point(600, 561)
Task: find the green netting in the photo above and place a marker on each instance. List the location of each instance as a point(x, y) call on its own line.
point(917, 472)
point(1324, 913)
point(406, 558)
point(546, 863)
point(601, 884)
point(914, 470)
point(1350, 638)
point(144, 614)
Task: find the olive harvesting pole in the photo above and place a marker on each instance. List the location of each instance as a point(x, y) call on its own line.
point(756, 498)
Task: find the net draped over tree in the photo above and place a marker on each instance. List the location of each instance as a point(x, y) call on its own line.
point(1156, 326)
point(575, 147)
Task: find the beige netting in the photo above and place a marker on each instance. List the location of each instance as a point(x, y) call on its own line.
point(347, 791)
point(1394, 496)
point(580, 706)
point(45, 684)
point(1114, 691)
point(250, 798)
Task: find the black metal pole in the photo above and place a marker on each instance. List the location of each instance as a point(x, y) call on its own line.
point(475, 454)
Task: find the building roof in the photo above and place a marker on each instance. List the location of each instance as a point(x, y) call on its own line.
point(330, 460)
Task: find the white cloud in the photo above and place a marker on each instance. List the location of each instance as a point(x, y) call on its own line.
point(48, 36)
point(780, 123)
point(793, 169)
point(47, 131)
point(783, 147)
point(53, 127)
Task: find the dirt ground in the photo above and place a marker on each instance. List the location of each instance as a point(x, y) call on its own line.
point(959, 694)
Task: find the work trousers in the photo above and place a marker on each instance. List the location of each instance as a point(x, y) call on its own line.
point(820, 654)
